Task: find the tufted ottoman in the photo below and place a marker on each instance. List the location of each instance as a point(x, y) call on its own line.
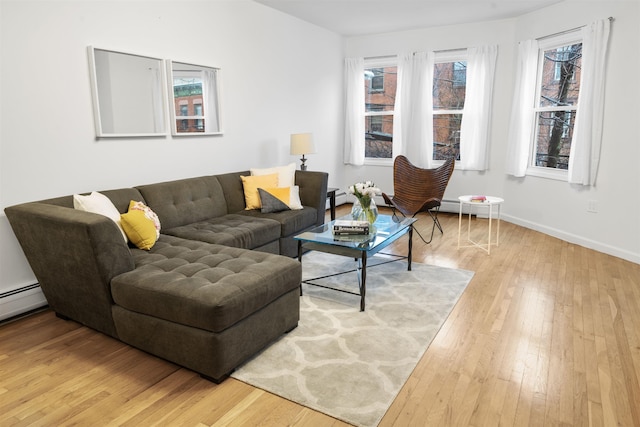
point(205, 306)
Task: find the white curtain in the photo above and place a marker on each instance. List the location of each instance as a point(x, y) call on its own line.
point(211, 116)
point(521, 123)
point(402, 112)
point(354, 114)
point(587, 130)
point(474, 130)
point(416, 107)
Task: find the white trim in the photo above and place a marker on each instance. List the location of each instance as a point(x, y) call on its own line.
point(21, 302)
point(549, 173)
point(566, 39)
point(389, 61)
point(556, 41)
point(375, 161)
point(575, 239)
point(454, 55)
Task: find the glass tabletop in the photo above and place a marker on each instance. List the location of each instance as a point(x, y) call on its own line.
point(386, 229)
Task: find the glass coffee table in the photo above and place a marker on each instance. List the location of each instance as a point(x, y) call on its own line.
point(387, 229)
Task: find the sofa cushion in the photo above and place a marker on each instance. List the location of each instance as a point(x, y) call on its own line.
point(291, 222)
point(234, 230)
point(206, 286)
point(233, 190)
point(185, 201)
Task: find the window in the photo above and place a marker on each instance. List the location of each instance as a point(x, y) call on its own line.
point(188, 95)
point(377, 80)
point(380, 96)
point(434, 125)
point(557, 90)
point(562, 56)
point(459, 73)
point(449, 90)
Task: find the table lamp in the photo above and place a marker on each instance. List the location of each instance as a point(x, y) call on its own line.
point(302, 143)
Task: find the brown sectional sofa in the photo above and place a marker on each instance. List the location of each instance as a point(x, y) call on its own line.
point(218, 286)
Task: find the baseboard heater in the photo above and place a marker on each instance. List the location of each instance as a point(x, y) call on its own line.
point(18, 301)
point(19, 290)
point(447, 205)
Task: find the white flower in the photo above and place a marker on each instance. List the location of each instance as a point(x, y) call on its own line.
point(364, 189)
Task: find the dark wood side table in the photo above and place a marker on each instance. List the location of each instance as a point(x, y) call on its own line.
point(331, 195)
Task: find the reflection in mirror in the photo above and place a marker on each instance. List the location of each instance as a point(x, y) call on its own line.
point(128, 94)
point(196, 99)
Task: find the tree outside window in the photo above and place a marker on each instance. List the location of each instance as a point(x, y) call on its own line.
point(556, 107)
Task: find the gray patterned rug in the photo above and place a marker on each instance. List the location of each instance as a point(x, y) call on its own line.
point(351, 364)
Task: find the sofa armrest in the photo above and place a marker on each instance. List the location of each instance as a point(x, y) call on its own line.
point(313, 191)
point(74, 255)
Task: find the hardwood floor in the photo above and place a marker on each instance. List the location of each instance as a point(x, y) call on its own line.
point(547, 333)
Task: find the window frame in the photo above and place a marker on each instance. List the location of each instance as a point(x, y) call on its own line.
point(444, 57)
point(381, 62)
point(545, 44)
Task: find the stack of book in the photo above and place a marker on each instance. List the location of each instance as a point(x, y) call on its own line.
point(478, 199)
point(347, 227)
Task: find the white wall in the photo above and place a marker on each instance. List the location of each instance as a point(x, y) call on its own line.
point(553, 207)
point(560, 209)
point(280, 76)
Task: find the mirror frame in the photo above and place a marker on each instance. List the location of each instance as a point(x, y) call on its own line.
point(158, 99)
point(211, 101)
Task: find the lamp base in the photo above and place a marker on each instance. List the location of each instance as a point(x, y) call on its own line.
point(303, 167)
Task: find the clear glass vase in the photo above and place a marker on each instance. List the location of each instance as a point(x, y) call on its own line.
point(361, 213)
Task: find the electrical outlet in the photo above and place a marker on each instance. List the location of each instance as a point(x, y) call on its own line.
point(592, 206)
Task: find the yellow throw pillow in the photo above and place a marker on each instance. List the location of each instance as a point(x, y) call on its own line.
point(251, 185)
point(139, 206)
point(140, 227)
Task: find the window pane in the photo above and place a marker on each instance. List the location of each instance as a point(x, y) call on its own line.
point(553, 143)
point(379, 137)
point(446, 136)
point(380, 88)
point(561, 76)
point(190, 125)
point(449, 85)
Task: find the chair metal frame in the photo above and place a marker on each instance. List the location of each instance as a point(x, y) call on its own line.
point(419, 190)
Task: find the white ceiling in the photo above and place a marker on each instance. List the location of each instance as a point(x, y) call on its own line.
point(359, 17)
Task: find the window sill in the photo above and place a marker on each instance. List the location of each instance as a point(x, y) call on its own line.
point(370, 161)
point(555, 174)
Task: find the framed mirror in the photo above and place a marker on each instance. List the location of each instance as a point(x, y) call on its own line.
point(194, 99)
point(129, 96)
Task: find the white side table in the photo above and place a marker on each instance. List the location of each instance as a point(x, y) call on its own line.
point(489, 203)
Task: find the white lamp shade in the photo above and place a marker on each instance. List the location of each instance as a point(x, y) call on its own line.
point(302, 143)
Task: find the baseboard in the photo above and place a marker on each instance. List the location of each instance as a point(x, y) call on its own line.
point(20, 300)
point(573, 238)
point(453, 206)
point(341, 199)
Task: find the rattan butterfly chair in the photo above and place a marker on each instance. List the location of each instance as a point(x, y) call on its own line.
point(418, 190)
